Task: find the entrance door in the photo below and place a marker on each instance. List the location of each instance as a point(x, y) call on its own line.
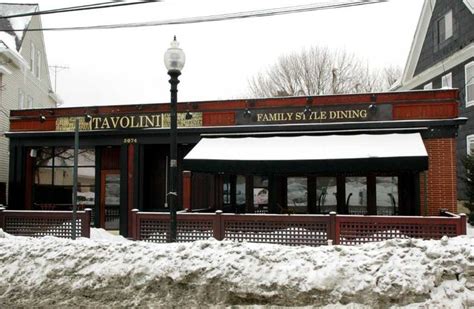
point(110, 200)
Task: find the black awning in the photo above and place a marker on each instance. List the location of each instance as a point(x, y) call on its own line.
point(309, 154)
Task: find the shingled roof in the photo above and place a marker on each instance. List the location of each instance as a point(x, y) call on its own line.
point(17, 23)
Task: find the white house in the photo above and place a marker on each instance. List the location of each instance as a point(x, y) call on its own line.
point(24, 75)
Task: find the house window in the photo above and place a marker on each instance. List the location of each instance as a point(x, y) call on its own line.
point(470, 144)
point(428, 86)
point(445, 27)
point(38, 64)
point(21, 99)
point(32, 58)
point(29, 102)
point(447, 81)
point(469, 80)
point(53, 176)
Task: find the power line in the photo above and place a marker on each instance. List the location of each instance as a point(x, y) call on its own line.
point(218, 17)
point(94, 6)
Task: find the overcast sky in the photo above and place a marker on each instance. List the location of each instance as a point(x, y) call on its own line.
point(125, 66)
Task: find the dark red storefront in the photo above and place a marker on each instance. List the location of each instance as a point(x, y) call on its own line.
point(124, 156)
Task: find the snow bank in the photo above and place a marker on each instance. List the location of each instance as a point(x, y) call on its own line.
point(56, 272)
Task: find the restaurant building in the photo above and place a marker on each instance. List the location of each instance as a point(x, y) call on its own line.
point(377, 153)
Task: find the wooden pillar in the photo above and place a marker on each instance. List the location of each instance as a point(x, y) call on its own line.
point(233, 193)
point(29, 180)
point(311, 194)
point(187, 204)
point(371, 195)
point(130, 183)
point(218, 191)
point(249, 194)
point(341, 195)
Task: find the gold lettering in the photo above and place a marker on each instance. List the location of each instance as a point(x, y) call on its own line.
point(95, 123)
point(135, 123)
point(105, 124)
point(124, 122)
point(115, 121)
point(259, 117)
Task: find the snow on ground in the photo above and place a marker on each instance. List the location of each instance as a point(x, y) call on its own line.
point(49, 271)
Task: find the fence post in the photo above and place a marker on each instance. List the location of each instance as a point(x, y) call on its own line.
point(86, 223)
point(134, 231)
point(463, 222)
point(218, 233)
point(333, 235)
point(2, 218)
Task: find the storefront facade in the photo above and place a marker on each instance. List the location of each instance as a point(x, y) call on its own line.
point(380, 153)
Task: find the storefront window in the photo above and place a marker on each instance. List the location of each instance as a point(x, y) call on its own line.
point(53, 177)
point(260, 194)
point(240, 190)
point(297, 194)
point(326, 194)
point(226, 190)
point(356, 195)
point(387, 195)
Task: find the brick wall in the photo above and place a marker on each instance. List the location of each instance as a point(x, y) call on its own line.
point(441, 177)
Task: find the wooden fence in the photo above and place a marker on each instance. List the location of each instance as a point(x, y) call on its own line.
point(311, 230)
point(44, 223)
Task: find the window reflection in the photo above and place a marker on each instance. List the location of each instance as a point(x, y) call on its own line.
point(356, 195)
point(260, 194)
point(44, 157)
point(53, 175)
point(387, 195)
point(43, 176)
point(297, 194)
point(240, 190)
point(326, 194)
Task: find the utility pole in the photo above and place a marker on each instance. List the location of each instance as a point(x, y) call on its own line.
point(56, 69)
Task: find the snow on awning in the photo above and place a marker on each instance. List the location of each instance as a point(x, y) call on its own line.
point(309, 154)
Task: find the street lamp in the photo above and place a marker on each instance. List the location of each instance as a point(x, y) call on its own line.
point(87, 118)
point(174, 62)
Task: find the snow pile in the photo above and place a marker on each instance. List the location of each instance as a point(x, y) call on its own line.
point(58, 272)
point(101, 234)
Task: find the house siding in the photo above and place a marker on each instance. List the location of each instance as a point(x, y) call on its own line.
point(463, 34)
point(38, 89)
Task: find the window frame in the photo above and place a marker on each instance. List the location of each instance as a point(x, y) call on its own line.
point(53, 186)
point(29, 102)
point(38, 64)
point(468, 82)
point(447, 80)
point(469, 140)
point(32, 58)
point(21, 99)
point(444, 28)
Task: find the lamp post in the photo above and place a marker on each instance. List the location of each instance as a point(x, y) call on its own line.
point(87, 118)
point(174, 62)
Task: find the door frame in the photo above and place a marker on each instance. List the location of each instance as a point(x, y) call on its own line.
point(103, 177)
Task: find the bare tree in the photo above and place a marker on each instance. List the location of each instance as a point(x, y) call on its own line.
point(319, 70)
